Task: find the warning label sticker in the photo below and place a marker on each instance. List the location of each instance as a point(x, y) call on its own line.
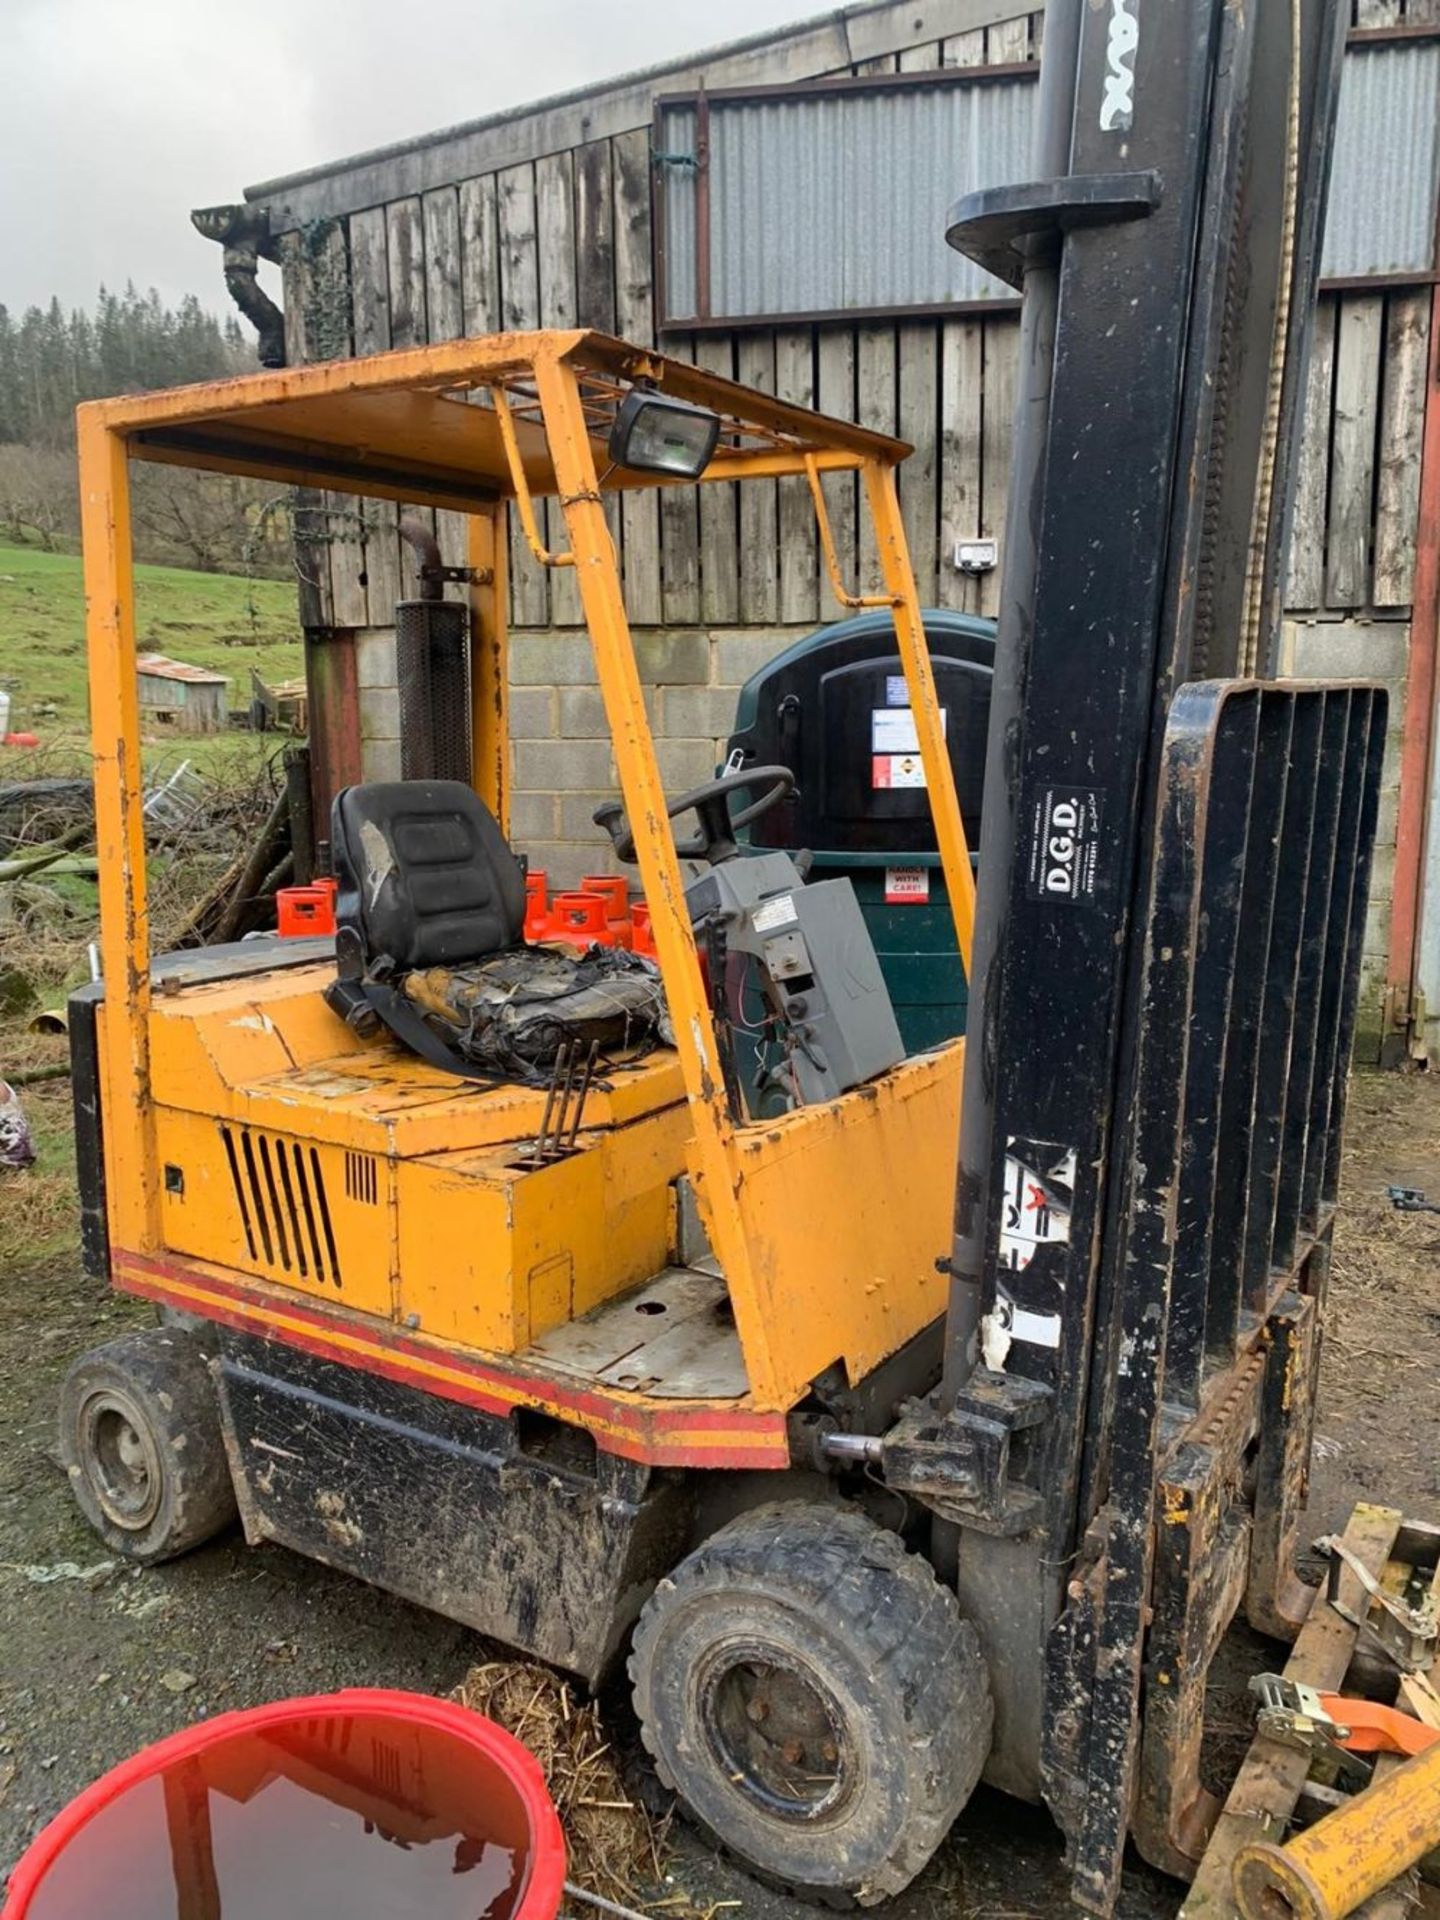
point(779, 912)
point(895, 748)
point(1039, 1188)
point(1014, 1322)
point(1038, 1197)
point(897, 770)
point(1064, 843)
point(906, 885)
point(892, 729)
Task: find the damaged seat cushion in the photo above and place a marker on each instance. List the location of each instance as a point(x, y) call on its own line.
point(511, 1013)
point(429, 942)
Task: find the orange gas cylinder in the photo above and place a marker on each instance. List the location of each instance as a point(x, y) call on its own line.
point(303, 912)
point(578, 920)
point(537, 904)
point(641, 937)
point(614, 890)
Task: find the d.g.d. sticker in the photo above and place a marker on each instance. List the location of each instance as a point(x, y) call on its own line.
point(1064, 844)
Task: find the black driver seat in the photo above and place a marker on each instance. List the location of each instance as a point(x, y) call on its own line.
point(429, 942)
point(426, 879)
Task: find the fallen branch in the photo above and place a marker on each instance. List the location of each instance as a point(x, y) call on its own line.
point(23, 867)
point(192, 927)
point(29, 1076)
point(82, 863)
point(262, 857)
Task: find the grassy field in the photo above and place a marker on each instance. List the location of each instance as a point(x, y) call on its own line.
point(211, 620)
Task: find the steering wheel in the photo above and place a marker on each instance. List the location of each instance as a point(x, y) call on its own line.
point(710, 802)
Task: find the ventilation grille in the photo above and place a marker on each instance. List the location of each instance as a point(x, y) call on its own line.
point(280, 1193)
point(362, 1181)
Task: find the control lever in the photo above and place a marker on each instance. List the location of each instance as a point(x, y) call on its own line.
point(584, 1094)
point(560, 1070)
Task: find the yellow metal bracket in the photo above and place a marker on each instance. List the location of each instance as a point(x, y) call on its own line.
point(523, 498)
point(827, 547)
point(878, 479)
point(133, 1194)
point(915, 657)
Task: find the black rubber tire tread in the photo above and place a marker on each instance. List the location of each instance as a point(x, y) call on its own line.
point(846, 1580)
point(163, 1373)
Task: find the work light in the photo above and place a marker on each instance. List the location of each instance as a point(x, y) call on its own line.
point(659, 435)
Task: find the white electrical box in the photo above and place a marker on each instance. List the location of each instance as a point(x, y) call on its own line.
point(975, 556)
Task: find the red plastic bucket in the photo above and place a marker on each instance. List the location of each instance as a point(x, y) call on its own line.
point(304, 911)
point(365, 1802)
point(640, 934)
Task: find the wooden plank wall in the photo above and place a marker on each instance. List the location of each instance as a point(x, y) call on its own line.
point(1352, 546)
point(567, 239)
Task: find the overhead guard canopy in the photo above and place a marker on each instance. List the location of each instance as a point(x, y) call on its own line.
point(420, 426)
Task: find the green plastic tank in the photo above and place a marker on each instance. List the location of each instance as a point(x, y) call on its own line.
point(834, 709)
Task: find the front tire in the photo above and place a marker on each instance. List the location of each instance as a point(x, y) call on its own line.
point(140, 1440)
point(811, 1692)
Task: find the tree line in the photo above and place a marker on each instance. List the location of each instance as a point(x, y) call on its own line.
point(51, 360)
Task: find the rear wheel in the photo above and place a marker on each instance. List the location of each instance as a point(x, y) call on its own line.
point(140, 1439)
point(811, 1692)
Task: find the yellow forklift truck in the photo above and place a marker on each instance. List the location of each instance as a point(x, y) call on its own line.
point(887, 1475)
point(510, 1338)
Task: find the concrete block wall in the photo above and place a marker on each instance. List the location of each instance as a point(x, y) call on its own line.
point(1363, 649)
point(560, 744)
point(379, 703)
point(563, 766)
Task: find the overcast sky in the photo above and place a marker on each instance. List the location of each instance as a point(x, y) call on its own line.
point(119, 116)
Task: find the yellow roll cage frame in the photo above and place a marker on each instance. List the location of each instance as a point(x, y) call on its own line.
point(397, 426)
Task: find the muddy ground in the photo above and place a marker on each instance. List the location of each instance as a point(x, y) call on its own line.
point(96, 1659)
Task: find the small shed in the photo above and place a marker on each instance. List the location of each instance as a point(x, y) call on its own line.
point(182, 698)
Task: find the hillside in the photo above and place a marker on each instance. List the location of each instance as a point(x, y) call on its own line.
point(213, 620)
